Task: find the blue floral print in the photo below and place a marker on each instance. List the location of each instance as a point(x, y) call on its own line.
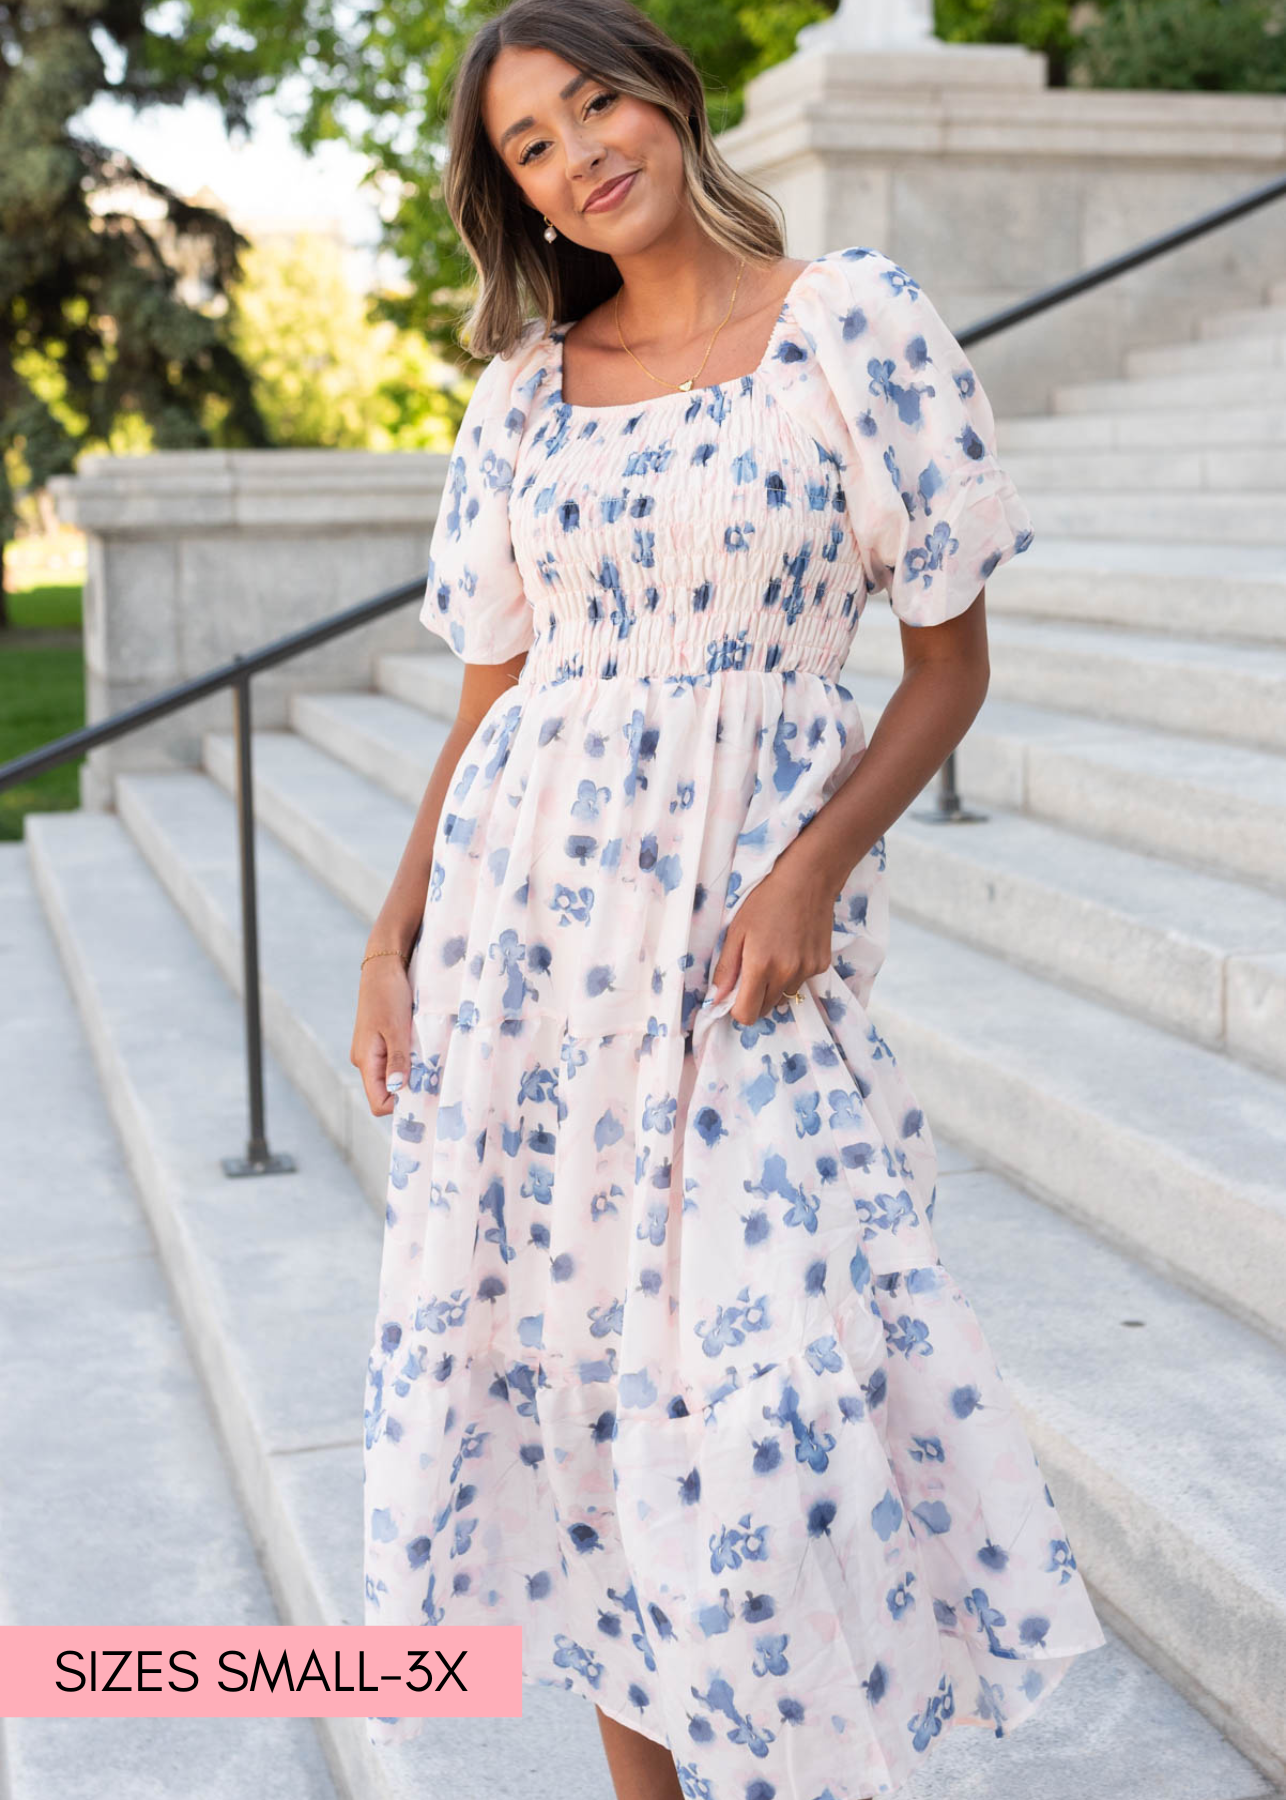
point(666, 1367)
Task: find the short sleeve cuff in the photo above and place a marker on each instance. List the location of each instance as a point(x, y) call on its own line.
point(494, 640)
point(947, 561)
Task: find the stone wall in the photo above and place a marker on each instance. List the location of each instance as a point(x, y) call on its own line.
point(197, 555)
point(986, 186)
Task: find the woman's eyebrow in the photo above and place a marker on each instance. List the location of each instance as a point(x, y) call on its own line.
point(564, 93)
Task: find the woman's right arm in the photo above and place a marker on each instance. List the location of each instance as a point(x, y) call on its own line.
point(381, 1045)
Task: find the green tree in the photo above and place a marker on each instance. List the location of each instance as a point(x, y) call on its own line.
point(325, 372)
point(1221, 46)
point(94, 323)
point(1039, 24)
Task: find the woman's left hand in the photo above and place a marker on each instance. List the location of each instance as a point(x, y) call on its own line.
point(777, 938)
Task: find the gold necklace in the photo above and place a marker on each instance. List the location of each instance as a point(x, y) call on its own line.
point(683, 386)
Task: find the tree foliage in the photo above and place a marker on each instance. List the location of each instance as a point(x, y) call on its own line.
point(1223, 46)
point(1220, 46)
point(94, 323)
point(325, 373)
point(1039, 24)
point(382, 83)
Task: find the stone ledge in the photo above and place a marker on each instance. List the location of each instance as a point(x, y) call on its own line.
point(118, 496)
point(937, 65)
point(864, 102)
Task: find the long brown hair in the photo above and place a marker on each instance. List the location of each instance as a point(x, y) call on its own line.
point(618, 44)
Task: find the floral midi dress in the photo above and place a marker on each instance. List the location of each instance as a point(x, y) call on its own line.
point(666, 1368)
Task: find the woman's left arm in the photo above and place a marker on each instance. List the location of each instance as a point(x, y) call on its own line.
point(781, 933)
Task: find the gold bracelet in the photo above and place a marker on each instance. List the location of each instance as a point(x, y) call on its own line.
point(405, 958)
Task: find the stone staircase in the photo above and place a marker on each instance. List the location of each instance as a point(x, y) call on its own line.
point(1088, 991)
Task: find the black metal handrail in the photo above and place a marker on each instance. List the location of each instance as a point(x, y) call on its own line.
point(258, 1159)
point(1122, 264)
point(239, 670)
point(237, 673)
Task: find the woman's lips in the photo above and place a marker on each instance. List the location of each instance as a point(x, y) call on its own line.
point(612, 195)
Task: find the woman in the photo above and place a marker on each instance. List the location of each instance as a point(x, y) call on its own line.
point(666, 1368)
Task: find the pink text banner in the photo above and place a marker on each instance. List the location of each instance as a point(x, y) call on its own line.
point(268, 1671)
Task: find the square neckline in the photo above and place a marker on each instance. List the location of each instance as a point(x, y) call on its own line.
point(559, 332)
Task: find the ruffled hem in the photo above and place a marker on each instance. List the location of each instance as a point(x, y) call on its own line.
point(1046, 1672)
point(931, 1582)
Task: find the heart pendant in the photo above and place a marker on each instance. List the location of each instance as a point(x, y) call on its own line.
point(685, 386)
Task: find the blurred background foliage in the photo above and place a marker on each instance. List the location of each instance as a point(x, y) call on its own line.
point(324, 372)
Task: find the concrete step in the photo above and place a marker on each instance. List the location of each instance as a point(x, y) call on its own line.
point(1209, 689)
point(1251, 517)
point(1250, 386)
point(327, 842)
point(1225, 592)
point(285, 1381)
point(1243, 321)
point(101, 1398)
point(276, 1281)
point(382, 735)
point(1152, 471)
point(1206, 805)
point(185, 825)
point(1189, 951)
point(1126, 1387)
point(345, 811)
point(1171, 1151)
point(425, 682)
point(1261, 348)
point(1165, 427)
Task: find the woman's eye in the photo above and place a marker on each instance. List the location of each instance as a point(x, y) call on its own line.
point(531, 149)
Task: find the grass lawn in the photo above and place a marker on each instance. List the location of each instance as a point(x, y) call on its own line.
point(42, 696)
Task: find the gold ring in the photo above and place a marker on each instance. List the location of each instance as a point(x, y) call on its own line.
point(794, 996)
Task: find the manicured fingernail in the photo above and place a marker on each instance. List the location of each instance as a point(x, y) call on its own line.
point(393, 1082)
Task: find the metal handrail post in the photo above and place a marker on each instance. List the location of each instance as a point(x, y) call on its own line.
point(948, 795)
point(258, 1159)
point(949, 808)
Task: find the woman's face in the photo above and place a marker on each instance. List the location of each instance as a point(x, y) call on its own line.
point(561, 134)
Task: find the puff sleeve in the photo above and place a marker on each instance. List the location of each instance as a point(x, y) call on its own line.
point(474, 595)
point(933, 512)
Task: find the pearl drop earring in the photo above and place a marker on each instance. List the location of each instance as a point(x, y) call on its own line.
point(550, 233)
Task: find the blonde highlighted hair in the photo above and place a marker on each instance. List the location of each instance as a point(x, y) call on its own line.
point(616, 43)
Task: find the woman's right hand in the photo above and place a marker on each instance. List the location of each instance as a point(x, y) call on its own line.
point(381, 1047)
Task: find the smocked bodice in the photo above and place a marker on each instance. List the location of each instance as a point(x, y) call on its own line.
point(738, 527)
point(627, 577)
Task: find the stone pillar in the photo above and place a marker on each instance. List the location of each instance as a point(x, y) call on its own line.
point(963, 165)
point(872, 25)
point(196, 555)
